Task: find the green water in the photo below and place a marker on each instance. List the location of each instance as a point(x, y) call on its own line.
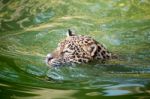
point(30, 29)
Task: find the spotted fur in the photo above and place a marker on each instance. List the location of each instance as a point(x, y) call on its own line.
point(77, 49)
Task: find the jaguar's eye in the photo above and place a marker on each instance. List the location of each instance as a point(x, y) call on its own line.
point(66, 51)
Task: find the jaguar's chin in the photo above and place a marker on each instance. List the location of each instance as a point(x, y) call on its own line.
point(51, 61)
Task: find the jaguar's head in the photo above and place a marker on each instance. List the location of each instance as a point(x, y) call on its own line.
point(77, 49)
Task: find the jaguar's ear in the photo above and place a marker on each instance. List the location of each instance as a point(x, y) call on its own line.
point(70, 33)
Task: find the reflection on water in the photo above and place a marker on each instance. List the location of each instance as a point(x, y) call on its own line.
point(30, 29)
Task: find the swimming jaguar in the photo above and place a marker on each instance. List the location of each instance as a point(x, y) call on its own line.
point(77, 49)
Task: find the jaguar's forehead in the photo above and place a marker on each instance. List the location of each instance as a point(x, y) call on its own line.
point(65, 43)
point(77, 40)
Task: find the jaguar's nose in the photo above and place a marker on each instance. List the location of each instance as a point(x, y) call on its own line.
point(49, 57)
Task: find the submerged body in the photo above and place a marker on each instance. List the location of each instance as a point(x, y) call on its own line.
point(77, 49)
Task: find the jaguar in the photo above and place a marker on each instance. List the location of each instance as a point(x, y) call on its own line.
point(77, 49)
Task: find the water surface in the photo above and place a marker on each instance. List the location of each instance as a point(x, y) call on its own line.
point(30, 29)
